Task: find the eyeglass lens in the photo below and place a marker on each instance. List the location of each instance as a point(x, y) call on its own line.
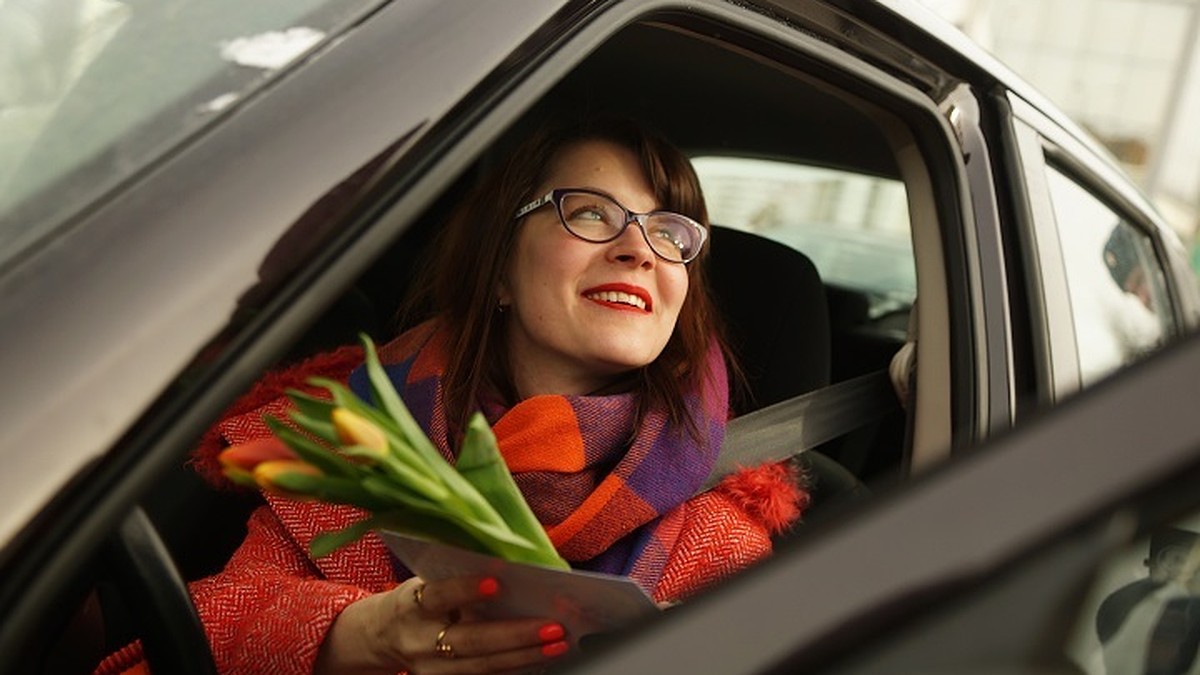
point(598, 219)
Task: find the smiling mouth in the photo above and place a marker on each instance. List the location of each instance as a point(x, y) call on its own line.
point(617, 297)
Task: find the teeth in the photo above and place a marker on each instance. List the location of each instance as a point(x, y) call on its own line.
point(618, 296)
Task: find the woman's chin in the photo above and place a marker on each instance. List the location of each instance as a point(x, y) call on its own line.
point(624, 359)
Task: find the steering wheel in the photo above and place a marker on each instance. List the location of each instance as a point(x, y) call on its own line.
point(173, 639)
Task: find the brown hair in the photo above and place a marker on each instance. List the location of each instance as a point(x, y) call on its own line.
point(474, 248)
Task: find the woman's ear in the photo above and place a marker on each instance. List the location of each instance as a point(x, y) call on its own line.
point(503, 297)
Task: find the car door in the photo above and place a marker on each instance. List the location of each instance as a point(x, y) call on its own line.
point(985, 564)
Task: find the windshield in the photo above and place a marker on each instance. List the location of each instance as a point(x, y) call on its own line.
point(92, 91)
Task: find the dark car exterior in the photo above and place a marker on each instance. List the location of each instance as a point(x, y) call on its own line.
point(233, 223)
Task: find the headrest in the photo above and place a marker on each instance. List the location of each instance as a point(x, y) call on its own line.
point(775, 308)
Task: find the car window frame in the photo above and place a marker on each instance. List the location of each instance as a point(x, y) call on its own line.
point(968, 109)
point(931, 162)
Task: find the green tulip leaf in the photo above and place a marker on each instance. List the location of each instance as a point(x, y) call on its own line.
point(481, 464)
point(321, 428)
point(311, 406)
point(327, 542)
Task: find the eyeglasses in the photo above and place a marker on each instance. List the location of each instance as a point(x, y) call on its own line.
point(598, 218)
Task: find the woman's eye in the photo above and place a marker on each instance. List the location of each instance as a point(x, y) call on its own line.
point(670, 238)
point(589, 213)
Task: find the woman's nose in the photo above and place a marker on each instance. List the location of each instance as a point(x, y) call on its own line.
point(631, 247)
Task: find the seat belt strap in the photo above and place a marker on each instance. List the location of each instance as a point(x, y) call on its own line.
point(788, 428)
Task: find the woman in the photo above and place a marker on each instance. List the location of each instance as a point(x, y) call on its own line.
point(570, 307)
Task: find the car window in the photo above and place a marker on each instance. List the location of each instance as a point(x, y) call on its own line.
point(1142, 614)
point(1119, 303)
point(853, 226)
point(93, 91)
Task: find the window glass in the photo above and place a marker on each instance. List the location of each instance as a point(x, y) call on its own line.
point(1119, 303)
point(92, 91)
point(1143, 611)
point(853, 226)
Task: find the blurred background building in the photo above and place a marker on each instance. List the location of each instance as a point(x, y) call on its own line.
point(1127, 70)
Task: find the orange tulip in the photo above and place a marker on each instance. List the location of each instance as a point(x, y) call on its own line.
point(238, 461)
point(354, 429)
point(267, 475)
point(246, 456)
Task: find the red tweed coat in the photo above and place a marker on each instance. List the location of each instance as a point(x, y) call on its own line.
point(269, 609)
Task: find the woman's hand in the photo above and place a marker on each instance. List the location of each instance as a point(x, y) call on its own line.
point(428, 628)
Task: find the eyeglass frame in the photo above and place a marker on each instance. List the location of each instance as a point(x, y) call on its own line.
point(555, 197)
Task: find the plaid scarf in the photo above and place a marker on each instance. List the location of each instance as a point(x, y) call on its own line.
point(608, 504)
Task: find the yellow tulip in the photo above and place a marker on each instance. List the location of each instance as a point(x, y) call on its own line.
point(273, 476)
point(354, 429)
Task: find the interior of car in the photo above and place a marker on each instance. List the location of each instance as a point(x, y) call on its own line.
point(794, 326)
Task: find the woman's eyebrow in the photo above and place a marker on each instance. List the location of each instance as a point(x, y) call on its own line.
point(596, 190)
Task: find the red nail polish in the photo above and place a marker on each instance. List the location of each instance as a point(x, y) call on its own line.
point(488, 586)
point(551, 632)
point(554, 649)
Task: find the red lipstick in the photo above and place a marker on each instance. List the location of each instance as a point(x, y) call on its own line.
point(624, 296)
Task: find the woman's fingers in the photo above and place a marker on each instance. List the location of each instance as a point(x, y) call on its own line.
point(470, 639)
point(432, 630)
point(442, 598)
point(515, 660)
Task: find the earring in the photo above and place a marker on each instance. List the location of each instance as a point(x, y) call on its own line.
point(501, 307)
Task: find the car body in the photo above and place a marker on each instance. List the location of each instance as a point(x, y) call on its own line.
point(190, 212)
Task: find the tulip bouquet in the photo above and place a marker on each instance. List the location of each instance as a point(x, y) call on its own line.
point(343, 450)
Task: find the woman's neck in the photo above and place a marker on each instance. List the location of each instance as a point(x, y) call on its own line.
point(527, 385)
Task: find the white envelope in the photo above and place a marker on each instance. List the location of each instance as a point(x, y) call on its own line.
point(585, 603)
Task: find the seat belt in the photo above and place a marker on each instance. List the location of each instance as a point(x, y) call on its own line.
point(788, 428)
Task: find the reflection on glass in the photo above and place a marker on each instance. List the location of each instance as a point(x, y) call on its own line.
point(1144, 614)
point(1118, 298)
point(92, 91)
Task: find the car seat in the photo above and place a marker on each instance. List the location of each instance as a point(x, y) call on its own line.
point(777, 317)
point(773, 302)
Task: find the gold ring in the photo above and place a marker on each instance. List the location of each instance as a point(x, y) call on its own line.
point(441, 647)
point(419, 596)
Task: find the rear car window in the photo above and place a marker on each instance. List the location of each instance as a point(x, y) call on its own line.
point(853, 226)
point(1119, 303)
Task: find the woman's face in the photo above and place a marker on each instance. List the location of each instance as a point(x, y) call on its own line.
point(571, 327)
